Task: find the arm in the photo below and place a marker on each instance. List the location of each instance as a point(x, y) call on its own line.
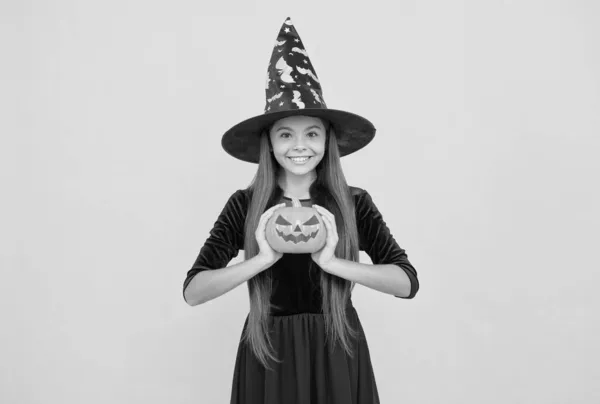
point(391, 271)
point(209, 278)
point(208, 285)
point(386, 278)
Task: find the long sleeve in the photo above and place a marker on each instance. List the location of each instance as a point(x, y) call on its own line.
point(226, 238)
point(377, 241)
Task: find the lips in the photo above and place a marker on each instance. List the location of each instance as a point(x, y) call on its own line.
point(300, 160)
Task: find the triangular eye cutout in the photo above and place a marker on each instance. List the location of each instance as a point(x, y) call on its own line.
point(281, 221)
point(312, 221)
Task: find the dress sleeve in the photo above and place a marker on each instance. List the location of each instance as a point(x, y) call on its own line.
point(226, 238)
point(377, 241)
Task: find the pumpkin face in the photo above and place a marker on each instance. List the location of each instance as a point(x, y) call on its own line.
point(296, 230)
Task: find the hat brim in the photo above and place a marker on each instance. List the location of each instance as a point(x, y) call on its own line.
point(353, 132)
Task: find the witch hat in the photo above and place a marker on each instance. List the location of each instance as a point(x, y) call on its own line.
point(293, 88)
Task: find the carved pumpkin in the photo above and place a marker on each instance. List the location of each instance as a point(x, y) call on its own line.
point(296, 230)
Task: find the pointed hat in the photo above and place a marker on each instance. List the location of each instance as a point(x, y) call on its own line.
point(293, 88)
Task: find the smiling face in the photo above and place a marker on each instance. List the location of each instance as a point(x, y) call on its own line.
point(298, 143)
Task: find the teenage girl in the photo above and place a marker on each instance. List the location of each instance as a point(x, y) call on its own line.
point(302, 341)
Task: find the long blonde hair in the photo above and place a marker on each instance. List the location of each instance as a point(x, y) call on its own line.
point(334, 194)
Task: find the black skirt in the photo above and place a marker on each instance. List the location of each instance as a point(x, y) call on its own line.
point(309, 372)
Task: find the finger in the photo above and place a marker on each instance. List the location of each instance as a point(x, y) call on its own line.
point(269, 212)
point(274, 208)
point(262, 220)
point(327, 226)
point(262, 223)
point(325, 212)
point(321, 210)
point(331, 230)
point(325, 217)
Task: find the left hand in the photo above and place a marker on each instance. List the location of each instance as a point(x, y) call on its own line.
point(326, 254)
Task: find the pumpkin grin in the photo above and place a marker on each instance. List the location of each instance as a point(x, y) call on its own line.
point(300, 237)
point(296, 229)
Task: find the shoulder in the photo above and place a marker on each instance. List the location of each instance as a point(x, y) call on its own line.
point(358, 193)
point(241, 194)
point(239, 199)
point(355, 190)
point(363, 202)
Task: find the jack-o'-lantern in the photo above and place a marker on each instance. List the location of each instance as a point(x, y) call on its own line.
point(296, 230)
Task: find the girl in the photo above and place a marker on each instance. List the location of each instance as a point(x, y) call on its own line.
point(302, 342)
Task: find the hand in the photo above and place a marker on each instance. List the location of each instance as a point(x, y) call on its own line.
point(326, 254)
point(265, 251)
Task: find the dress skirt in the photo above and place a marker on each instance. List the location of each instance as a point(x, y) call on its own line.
point(309, 372)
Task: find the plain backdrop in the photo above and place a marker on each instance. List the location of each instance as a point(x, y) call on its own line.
point(485, 166)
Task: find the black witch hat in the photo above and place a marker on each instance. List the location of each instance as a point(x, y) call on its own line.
point(293, 88)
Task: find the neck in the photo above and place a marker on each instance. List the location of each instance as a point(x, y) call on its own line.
point(295, 186)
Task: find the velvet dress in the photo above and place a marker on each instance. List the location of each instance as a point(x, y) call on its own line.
point(310, 373)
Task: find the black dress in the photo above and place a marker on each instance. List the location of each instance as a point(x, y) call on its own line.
point(310, 373)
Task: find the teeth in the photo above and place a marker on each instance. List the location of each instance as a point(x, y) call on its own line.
point(299, 159)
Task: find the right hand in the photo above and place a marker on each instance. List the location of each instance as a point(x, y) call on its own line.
point(265, 250)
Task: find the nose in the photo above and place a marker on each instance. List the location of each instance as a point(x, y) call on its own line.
point(299, 149)
point(299, 144)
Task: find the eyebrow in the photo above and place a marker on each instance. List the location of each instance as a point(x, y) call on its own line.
point(291, 130)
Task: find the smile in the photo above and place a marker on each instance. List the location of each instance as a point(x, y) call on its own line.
point(300, 160)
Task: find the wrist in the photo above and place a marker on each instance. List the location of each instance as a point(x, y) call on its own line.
point(330, 265)
point(263, 261)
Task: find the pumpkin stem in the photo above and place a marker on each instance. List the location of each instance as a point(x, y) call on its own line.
point(296, 203)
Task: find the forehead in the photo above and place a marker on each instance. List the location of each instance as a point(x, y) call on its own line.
point(298, 122)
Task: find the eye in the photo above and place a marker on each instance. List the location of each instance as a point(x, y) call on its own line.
point(281, 221)
point(312, 134)
point(312, 221)
point(284, 134)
